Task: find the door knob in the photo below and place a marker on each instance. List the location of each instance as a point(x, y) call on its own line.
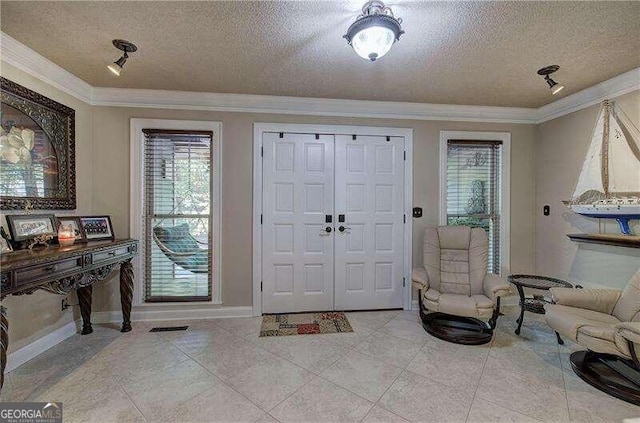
point(344, 229)
point(328, 229)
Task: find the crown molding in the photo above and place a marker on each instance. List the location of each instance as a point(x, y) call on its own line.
point(27, 60)
point(248, 103)
point(34, 64)
point(611, 88)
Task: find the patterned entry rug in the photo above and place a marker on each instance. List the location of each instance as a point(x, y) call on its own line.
point(304, 323)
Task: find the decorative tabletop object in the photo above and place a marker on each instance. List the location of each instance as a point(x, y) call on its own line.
point(66, 235)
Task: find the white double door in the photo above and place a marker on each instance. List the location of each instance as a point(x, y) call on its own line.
point(333, 222)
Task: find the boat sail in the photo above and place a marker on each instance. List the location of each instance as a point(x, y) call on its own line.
point(609, 182)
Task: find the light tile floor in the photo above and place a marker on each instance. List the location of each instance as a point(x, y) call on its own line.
point(388, 370)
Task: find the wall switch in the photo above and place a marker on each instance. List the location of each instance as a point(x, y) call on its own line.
point(417, 212)
point(546, 210)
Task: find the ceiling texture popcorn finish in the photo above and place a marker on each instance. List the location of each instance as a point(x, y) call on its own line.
point(449, 56)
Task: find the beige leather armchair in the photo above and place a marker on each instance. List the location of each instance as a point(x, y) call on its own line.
point(607, 323)
point(455, 287)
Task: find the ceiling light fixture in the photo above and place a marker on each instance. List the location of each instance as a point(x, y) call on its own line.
point(374, 31)
point(126, 47)
point(553, 85)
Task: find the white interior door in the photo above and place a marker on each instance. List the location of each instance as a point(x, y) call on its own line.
point(297, 194)
point(369, 250)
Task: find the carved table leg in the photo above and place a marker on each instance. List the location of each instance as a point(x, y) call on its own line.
point(4, 342)
point(84, 301)
point(126, 294)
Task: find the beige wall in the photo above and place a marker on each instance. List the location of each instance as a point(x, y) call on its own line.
point(111, 184)
point(102, 166)
point(33, 316)
point(561, 148)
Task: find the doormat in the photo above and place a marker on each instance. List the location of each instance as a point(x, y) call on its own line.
point(304, 324)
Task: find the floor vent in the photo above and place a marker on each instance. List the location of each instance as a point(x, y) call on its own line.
point(169, 329)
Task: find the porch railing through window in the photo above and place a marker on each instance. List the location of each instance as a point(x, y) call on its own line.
point(177, 215)
point(474, 194)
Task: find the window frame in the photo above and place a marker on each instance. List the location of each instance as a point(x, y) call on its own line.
point(505, 171)
point(136, 221)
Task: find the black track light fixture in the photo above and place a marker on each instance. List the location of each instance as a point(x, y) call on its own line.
point(126, 47)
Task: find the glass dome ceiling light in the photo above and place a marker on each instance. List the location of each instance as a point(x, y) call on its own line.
point(374, 31)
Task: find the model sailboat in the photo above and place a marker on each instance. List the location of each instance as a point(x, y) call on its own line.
point(609, 183)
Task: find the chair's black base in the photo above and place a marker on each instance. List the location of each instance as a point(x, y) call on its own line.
point(608, 373)
point(456, 329)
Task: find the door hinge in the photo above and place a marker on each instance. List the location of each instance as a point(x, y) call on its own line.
point(281, 135)
point(403, 281)
point(261, 286)
point(261, 219)
point(404, 218)
point(261, 151)
point(405, 155)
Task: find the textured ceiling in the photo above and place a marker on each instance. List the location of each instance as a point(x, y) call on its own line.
point(477, 53)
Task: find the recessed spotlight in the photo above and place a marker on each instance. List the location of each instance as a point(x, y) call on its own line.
point(374, 31)
point(553, 85)
point(126, 47)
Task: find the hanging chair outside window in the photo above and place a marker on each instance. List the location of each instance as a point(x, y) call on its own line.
point(177, 243)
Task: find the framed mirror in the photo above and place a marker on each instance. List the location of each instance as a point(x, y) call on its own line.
point(37, 151)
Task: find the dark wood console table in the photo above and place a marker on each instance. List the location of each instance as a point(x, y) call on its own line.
point(61, 270)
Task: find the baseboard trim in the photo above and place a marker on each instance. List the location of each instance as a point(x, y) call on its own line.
point(37, 347)
point(172, 312)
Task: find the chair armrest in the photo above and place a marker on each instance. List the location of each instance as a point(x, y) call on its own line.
point(495, 287)
point(602, 300)
point(629, 331)
point(420, 279)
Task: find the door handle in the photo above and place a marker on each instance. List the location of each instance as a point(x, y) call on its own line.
point(326, 231)
point(344, 229)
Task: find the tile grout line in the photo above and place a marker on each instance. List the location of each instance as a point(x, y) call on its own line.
point(219, 378)
point(130, 399)
point(484, 366)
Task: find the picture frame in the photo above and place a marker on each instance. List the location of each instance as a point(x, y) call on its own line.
point(76, 224)
point(37, 159)
point(97, 227)
point(23, 227)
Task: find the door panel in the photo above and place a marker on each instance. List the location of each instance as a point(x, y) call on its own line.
point(297, 253)
point(369, 192)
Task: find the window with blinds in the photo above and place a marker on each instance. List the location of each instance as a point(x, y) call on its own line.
point(177, 215)
point(474, 195)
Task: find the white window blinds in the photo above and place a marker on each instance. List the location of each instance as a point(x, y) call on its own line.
point(474, 190)
point(177, 215)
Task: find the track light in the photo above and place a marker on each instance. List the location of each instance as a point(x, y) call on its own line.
point(126, 47)
point(374, 31)
point(553, 85)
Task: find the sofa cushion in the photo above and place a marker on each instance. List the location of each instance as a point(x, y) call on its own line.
point(569, 321)
point(477, 306)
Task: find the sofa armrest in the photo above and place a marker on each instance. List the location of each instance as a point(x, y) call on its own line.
point(629, 331)
point(420, 279)
point(495, 287)
point(602, 300)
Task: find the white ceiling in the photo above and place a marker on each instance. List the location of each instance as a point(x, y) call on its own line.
point(474, 53)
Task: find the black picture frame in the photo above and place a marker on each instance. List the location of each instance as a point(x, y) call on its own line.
point(76, 223)
point(23, 227)
point(97, 227)
point(53, 122)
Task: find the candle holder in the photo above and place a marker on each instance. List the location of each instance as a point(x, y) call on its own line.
point(66, 235)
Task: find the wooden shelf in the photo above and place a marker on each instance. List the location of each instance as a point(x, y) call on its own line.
point(630, 241)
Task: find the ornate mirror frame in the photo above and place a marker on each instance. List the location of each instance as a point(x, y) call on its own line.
point(58, 123)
